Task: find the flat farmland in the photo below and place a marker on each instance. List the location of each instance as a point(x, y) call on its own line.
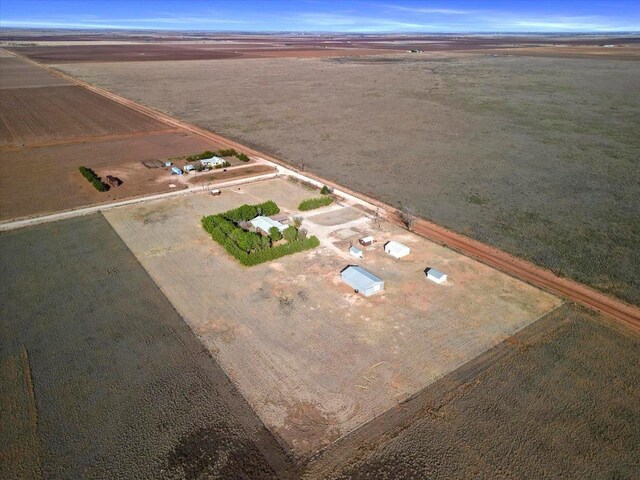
point(15, 73)
point(312, 358)
point(48, 179)
point(552, 401)
point(537, 156)
point(100, 375)
point(70, 113)
point(136, 52)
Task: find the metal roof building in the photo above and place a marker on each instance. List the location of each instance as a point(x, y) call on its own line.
point(212, 161)
point(396, 249)
point(265, 224)
point(436, 275)
point(361, 280)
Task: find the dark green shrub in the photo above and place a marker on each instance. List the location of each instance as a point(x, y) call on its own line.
point(95, 180)
point(267, 208)
point(228, 152)
point(242, 157)
point(290, 233)
point(312, 203)
point(325, 190)
point(275, 234)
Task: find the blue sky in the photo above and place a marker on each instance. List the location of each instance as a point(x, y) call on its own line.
point(327, 15)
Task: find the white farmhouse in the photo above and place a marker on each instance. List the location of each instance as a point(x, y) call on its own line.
point(264, 224)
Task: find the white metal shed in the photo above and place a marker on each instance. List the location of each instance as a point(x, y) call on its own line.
point(361, 280)
point(436, 275)
point(396, 249)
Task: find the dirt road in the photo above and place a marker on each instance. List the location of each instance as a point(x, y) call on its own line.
point(523, 270)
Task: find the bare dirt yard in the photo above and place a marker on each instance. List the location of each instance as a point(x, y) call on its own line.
point(100, 375)
point(314, 359)
point(537, 156)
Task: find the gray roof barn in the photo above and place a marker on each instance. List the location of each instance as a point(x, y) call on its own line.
point(361, 280)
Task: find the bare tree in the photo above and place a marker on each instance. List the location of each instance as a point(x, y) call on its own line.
point(297, 222)
point(408, 215)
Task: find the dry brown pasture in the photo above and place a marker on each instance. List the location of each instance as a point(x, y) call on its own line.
point(535, 155)
point(314, 359)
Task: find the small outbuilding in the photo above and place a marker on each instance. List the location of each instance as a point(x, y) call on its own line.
point(361, 280)
point(176, 171)
point(436, 275)
point(113, 181)
point(356, 252)
point(396, 249)
point(366, 241)
point(189, 168)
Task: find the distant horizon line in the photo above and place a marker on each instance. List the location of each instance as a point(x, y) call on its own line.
point(316, 32)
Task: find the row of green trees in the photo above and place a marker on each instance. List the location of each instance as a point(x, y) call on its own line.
point(224, 152)
point(95, 180)
point(251, 248)
point(312, 203)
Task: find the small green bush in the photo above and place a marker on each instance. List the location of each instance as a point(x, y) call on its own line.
point(290, 233)
point(242, 157)
point(95, 180)
point(312, 203)
point(228, 152)
point(325, 190)
point(267, 208)
point(275, 234)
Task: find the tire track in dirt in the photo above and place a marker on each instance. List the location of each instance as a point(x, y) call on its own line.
point(545, 279)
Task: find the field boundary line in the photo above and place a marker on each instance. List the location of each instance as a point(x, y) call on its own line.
point(518, 268)
point(83, 211)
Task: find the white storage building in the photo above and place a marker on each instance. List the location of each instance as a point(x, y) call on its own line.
point(396, 249)
point(436, 275)
point(361, 280)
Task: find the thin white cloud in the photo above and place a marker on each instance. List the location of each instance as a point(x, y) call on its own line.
point(427, 10)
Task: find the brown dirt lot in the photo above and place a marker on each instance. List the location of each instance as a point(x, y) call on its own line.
point(323, 360)
point(39, 115)
point(537, 156)
point(46, 179)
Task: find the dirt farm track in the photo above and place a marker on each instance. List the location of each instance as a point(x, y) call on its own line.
point(625, 313)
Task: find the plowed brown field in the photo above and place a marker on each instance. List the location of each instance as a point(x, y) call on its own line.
point(34, 115)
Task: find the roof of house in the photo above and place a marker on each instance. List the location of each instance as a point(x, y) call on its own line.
point(436, 273)
point(266, 223)
point(359, 278)
point(367, 239)
point(355, 250)
point(213, 160)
